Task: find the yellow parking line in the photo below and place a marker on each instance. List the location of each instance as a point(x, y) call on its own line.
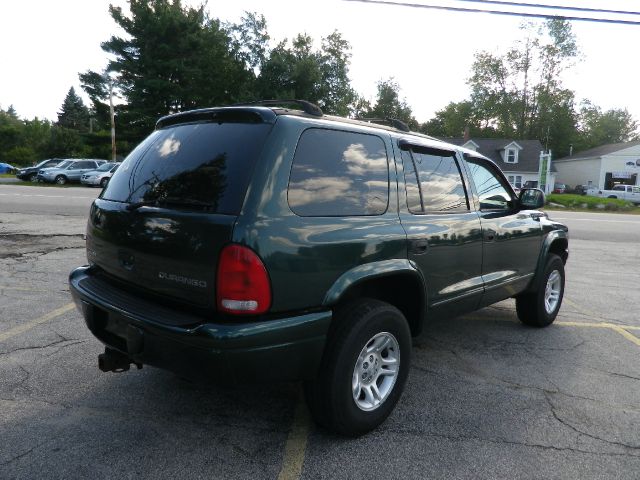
point(581, 309)
point(621, 329)
point(296, 446)
point(12, 332)
point(626, 334)
point(583, 324)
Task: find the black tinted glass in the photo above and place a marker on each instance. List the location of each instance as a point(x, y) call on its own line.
point(338, 173)
point(492, 191)
point(105, 167)
point(433, 183)
point(204, 165)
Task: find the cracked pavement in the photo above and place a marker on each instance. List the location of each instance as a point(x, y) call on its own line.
point(486, 397)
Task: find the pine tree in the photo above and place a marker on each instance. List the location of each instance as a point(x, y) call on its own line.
point(73, 114)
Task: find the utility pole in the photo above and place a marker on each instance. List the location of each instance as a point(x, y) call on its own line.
point(113, 121)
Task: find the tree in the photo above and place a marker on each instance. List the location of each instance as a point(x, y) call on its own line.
point(172, 59)
point(11, 112)
point(520, 95)
point(73, 113)
point(10, 133)
point(96, 85)
point(291, 72)
point(249, 40)
point(598, 128)
point(66, 142)
point(302, 72)
point(337, 95)
point(454, 119)
point(388, 104)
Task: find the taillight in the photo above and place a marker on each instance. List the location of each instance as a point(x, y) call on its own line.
point(242, 283)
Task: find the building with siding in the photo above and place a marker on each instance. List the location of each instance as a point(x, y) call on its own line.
point(602, 167)
point(522, 161)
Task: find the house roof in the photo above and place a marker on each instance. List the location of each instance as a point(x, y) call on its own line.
point(528, 157)
point(600, 151)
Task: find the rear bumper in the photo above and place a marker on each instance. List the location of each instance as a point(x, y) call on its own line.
point(282, 349)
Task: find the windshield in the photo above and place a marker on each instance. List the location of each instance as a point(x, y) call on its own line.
point(194, 165)
point(105, 167)
point(64, 164)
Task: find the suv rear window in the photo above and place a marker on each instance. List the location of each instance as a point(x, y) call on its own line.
point(337, 173)
point(197, 165)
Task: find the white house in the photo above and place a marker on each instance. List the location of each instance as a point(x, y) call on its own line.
point(602, 167)
point(522, 161)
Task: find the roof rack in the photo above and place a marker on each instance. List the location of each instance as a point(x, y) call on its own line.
point(393, 122)
point(307, 107)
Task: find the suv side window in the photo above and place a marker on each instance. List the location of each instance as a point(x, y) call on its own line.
point(492, 192)
point(337, 173)
point(433, 182)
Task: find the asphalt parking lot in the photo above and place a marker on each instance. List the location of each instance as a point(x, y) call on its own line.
point(486, 396)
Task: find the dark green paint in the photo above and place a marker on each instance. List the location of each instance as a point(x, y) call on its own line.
point(313, 262)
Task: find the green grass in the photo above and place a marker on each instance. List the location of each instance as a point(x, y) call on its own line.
point(7, 175)
point(585, 202)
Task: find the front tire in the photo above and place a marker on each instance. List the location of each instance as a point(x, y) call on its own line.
point(61, 180)
point(540, 307)
point(33, 178)
point(364, 368)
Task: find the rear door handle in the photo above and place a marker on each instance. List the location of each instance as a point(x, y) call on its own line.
point(419, 246)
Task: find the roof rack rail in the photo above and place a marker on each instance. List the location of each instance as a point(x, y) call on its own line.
point(392, 122)
point(307, 107)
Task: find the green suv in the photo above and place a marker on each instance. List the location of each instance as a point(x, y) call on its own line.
point(260, 242)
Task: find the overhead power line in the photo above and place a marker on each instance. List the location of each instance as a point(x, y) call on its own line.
point(553, 7)
point(498, 12)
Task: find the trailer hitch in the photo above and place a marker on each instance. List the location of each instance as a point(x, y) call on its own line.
point(114, 361)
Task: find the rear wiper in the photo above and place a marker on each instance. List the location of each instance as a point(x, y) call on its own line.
point(178, 202)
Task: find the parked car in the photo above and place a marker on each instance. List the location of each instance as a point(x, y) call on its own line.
point(31, 173)
point(68, 171)
point(623, 192)
point(268, 243)
point(586, 190)
point(560, 188)
point(100, 176)
point(7, 168)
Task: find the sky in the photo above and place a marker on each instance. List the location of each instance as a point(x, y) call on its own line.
point(45, 44)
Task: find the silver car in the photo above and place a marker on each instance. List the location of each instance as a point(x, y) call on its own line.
point(68, 171)
point(100, 176)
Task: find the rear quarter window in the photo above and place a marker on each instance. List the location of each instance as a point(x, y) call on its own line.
point(338, 173)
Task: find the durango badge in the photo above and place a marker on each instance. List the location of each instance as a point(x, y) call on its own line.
point(194, 282)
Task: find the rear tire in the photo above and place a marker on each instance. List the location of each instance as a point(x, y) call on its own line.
point(364, 368)
point(103, 182)
point(540, 307)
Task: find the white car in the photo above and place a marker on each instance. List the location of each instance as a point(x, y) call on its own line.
point(101, 176)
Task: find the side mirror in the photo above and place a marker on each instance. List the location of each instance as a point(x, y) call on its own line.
point(531, 199)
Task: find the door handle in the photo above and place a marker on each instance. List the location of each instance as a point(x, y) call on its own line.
point(419, 246)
